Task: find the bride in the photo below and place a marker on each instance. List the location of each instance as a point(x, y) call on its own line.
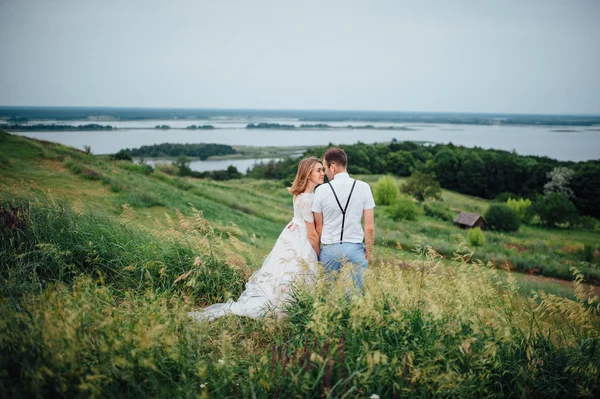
point(293, 258)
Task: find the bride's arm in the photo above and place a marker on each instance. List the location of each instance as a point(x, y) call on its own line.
point(313, 237)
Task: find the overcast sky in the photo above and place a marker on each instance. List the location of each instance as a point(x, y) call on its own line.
point(448, 56)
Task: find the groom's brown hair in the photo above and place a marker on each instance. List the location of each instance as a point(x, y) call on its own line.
point(337, 156)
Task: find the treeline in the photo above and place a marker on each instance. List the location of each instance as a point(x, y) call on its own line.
point(202, 151)
point(53, 127)
point(193, 127)
point(264, 125)
point(473, 171)
point(315, 126)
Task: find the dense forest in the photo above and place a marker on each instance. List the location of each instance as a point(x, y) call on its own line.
point(473, 171)
point(201, 151)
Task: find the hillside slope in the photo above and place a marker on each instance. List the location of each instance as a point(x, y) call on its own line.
point(101, 261)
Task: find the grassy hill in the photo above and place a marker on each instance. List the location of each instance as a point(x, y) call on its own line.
point(100, 262)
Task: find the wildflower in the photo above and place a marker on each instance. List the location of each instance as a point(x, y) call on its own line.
point(374, 396)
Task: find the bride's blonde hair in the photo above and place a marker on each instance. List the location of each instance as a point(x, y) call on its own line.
point(305, 168)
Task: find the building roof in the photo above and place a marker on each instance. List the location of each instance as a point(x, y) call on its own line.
point(467, 218)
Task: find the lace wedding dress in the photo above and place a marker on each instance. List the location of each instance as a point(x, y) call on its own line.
point(291, 259)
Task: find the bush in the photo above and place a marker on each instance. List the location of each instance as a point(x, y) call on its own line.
point(182, 163)
point(587, 222)
point(476, 237)
point(123, 156)
point(166, 168)
point(403, 209)
point(554, 208)
point(503, 197)
point(421, 186)
point(75, 168)
point(386, 191)
point(587, 253)
point(501, 218)
point(522, 208)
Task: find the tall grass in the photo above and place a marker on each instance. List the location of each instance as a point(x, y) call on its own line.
point(45, 241)
point(94, 302)
point(94, 306)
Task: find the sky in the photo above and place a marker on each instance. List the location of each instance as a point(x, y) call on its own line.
point(510, 56)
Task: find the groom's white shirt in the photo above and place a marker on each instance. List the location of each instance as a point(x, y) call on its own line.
point(324, 202)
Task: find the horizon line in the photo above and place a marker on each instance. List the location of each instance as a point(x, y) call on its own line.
point(295, 109)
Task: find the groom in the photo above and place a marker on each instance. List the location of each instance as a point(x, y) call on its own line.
point(338, 208)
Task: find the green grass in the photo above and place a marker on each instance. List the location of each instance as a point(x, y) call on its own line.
point(95, 295)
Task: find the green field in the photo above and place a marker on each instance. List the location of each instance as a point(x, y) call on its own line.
point(101, 261)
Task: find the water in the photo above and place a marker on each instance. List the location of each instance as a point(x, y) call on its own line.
point(209, 165)
point(569, 143)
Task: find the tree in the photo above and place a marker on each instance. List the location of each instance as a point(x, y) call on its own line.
point(233, 173)
point(386, 191)
point(501, 218)
point(521, 207)
point(560, 179)
point(183, 165)
point(421, 186)
point(445, 167)
point(471, 177)
point(400, 163)
point(586, 186)
point(554, 208)
point(123, 155)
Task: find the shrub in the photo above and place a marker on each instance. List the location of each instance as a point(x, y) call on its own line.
point(587, 222)
point(503, 197)
point(386, 191)
point(75, 168)
point(123, 156)
point(522, 208)
point(502, 218)
point(166, 168)
point(421, 186)
point(476, 237)
point(182, 163)
point(554, 208)
point(403, 209)
point(587, 253)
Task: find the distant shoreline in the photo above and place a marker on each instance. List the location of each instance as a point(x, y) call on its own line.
point(19, 114)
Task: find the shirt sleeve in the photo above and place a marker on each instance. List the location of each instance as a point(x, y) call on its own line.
point(304, 205)
point(316, 205)
point(368, 202)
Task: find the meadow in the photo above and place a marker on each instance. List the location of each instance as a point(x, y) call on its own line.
point(101, 261)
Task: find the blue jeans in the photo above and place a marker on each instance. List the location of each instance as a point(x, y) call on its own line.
point(335, 255)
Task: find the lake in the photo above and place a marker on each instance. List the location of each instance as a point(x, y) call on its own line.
point(209, 165)
point(569, 143)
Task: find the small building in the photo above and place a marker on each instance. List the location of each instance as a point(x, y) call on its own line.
point(468, 220)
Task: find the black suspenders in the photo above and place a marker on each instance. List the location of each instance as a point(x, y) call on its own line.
point(343, 209)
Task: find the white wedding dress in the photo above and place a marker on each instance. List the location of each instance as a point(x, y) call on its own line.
point(291, 259)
